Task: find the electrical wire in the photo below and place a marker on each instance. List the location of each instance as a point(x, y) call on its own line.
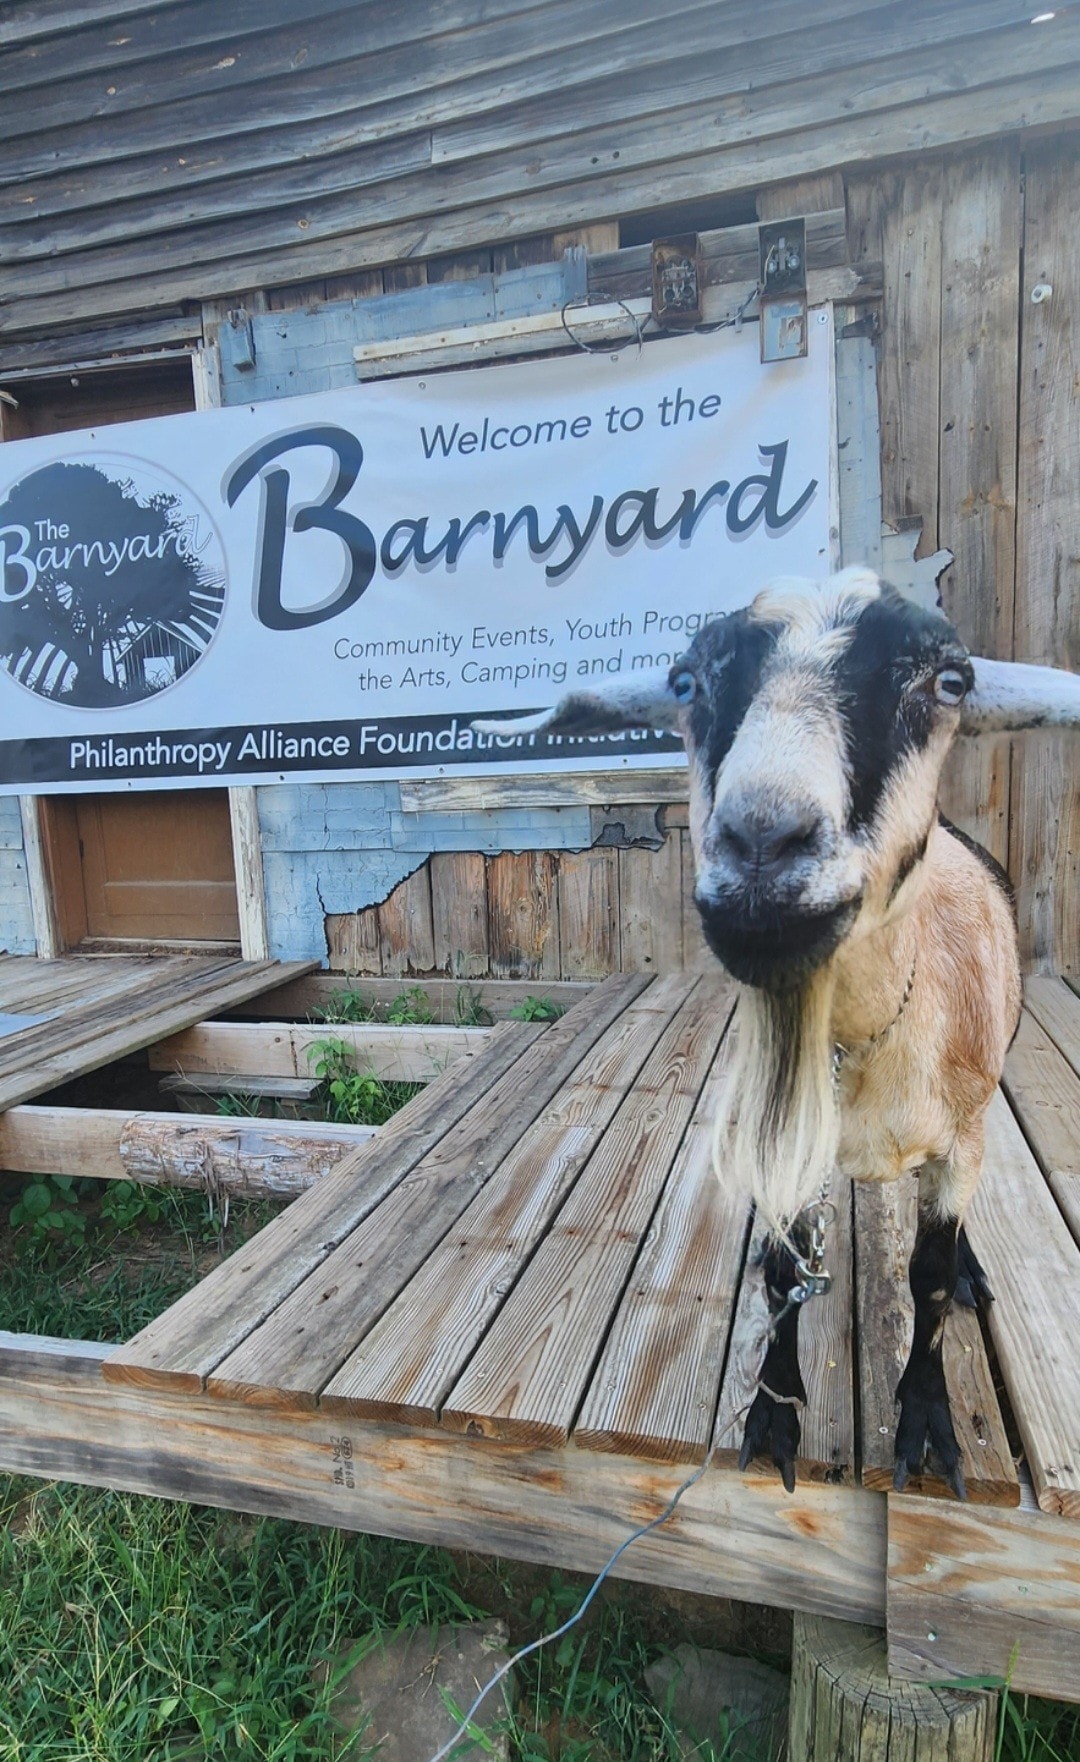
point(462, 1729)
point(645, 323)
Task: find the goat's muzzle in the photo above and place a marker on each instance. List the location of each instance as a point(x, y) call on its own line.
point(772, 947)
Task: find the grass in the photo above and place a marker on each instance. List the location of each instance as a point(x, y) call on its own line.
point(136, 1630)
point(138, 1250)
point(1030, 1730)
point(139, 1630)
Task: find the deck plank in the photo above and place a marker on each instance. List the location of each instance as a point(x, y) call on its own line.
point(49, 985)
point(115, 1035)
point(1056, 1008)
point(1033, 1266)
point(104, 1009)
point(654, 1391)
point(125, 995)
point(181, 1347)
point(292, 1355)
point(411, 1358)
point(885, 1221)
point(530, 1372)
point(1045, 1093)
point(827, 1444)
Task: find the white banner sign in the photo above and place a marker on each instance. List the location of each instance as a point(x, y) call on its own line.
point(336, 585)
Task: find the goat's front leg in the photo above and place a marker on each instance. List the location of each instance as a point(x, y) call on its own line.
point(773, 1419)
point(925, 1417)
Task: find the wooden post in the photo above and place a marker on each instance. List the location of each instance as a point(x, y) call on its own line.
point(845, 1707)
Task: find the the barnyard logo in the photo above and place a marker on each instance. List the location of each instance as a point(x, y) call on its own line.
point(112, 581)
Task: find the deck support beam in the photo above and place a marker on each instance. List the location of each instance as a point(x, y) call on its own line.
point(821, 1550)
point(236, 1155)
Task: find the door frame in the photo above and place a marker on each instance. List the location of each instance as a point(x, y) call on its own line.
point(55, 932)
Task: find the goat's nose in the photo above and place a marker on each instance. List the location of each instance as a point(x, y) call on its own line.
point(764, 845)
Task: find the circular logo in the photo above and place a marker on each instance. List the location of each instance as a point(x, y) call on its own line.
point(112, 581)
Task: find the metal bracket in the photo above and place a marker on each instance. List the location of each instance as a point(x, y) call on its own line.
point(237, 341)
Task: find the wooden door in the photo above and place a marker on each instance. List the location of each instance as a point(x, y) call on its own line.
point(153, 868)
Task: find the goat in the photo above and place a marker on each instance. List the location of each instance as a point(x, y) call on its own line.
point(875, 945)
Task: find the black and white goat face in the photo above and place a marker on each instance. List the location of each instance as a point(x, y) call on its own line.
point(816, 723)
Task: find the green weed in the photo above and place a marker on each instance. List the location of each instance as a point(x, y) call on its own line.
point(127, 1205)
point(47, 1214)
point(237, 1105)
point(469, 1009)
point(1030, 1730)
point(352, 1097)
point(346, 1006)
point(537, 1009)
point(411, 1006)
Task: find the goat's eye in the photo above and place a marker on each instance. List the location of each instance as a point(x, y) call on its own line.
point(950, 686)
point(683, 685)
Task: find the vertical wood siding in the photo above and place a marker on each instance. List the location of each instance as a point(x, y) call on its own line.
point(1045, 832)
point(980, 422)
point(540, 915)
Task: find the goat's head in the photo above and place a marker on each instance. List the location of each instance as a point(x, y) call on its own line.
point(816, 723)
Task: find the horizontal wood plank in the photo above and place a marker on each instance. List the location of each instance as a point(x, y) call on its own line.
point(445, 795)
point(448, 999)
point(100, 1010)
point(215, 1153)
point(410, 1054)
point(822, 1550)
point(977, 1592)
point(1040, 99)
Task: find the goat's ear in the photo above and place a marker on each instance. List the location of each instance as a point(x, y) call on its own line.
point(1011, 695)
point(627, 700)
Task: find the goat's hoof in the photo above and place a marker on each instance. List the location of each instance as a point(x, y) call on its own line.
point(972, 1284)
point(772, 1426)
point(926, 1427)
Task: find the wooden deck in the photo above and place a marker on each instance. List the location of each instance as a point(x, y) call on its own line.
point(512, 1317)
point(62, 1018)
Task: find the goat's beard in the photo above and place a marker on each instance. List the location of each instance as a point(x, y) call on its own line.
point(778, 1127)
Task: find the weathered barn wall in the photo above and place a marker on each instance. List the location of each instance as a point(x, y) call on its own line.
point(202, 154)
point(540, 915)
point(335, 848)
point(980, 416)
point(153, 155)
